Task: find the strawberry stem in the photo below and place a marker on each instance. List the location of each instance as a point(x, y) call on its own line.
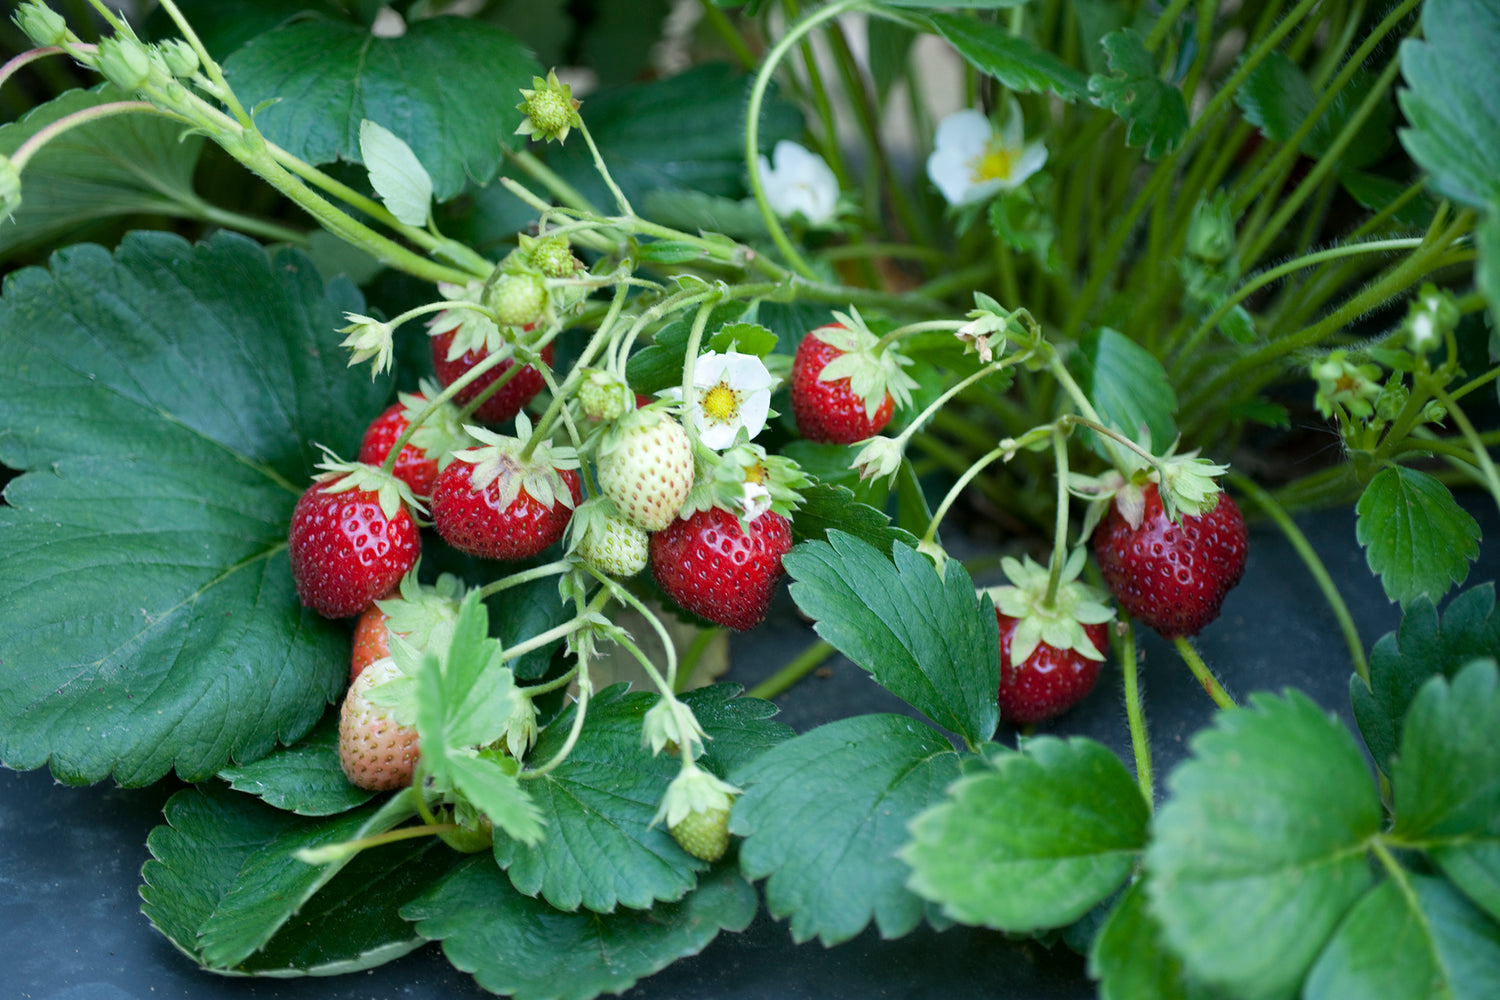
point(793, 672)
point(1200, 670)
point(1060, 529)
point(525, 576)
point(909, 329)
point(690, 362)
point(585, 690)
point(930, 535)
point(330, 853)
point(1140, 744)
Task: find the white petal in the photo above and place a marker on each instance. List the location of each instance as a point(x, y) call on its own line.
point(715, 435)
point(949, 173)
point(709, 369)
point(746, 372)
point(1032, 158)
point(964, 133)
point(1013, 129)
point(753, 412)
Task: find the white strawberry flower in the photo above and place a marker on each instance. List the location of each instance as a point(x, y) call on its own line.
point(972, 160)
point(799, 182)
point(733, 390)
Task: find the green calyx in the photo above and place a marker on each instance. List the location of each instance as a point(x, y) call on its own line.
point(551, 110)
point(602, 397)
point(424, 615)
point(745, 480)
point(124, 62)
point(872, 373)
point(473, 330)
point(603, 538)
point(44, 26)
point(339, 476)
point(442, 433)
point(1187, 484)
point(1058, 623)
point(498, 460)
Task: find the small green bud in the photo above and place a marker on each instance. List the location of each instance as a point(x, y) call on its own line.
point(44, 26)
point(1434, 412)
point(1430, 319)
point(179, 57)
point(1392, 400)
point(124, 62)
point(10, 188)
point(1211, 230)
point(550, 109)
point(602, 397)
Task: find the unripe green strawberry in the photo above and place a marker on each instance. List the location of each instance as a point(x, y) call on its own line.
point(517, 299)
point(646, 468)
point(554, 257)
point(375, 751)
point(703, 834)
point(607, 541)
point(602, 397)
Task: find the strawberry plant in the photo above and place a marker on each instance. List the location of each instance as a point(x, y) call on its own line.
point(993, 339)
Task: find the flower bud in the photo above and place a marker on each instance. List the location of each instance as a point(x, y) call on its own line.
point(179, 57)
point(124, 62)
point(1211, 230)
point(44, 26)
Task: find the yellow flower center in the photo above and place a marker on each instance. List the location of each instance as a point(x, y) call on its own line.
point(720, 403)
point(995, 164)
point(756, 473)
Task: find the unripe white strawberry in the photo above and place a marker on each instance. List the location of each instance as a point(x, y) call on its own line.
point(607, 541)
point(517, 299)
point(376, 751)
point(646, 467)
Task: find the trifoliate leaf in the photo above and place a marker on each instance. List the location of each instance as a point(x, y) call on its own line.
point(167, 421)
point(1277, 97)
point(1401, 662)
point(523, 948)
point(342, 75)
point(823, 815)
point(1152, 108)
point(1127, 385)
point(223, 886)
point(396, 174)
point(1415, 535)
point(1034, 841)
point(1446, 780)
point(108, 168)
point(1256, 855)
point(304, 778)
point(1131, 961)
point(1017, 63)
point(1396, 945)
point(926, 638)
point(1452, 100)
point(602, 851)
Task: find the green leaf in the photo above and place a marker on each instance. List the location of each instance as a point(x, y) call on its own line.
point(1017, 63)
point(304, 778)
point(222, 886)
point(740, 728)
point(1446, 780)
point(340, 75)
point(1452, 99)
point(696, 212)
point(827, 507)
point(681, 132)
point(1415, 535)
point(602, 851)
point(1152, 108)
point(1126, 384)
point(1395, 946)
point(1257, 855)
point(1034, 841)
point(658, 366)
point(746, 338)
point(823, 815)
point(523, 948)
point(396, 174)
point(224, 25)
point(111, 167)
point(928, 639)
point(167, 420)
point(1487, 269)
point(890, 46)
point(1131, 961)
point(1402, 661)
point(1277, 97)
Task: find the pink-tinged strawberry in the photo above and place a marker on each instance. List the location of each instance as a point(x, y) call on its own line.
point(1171, 574)
point(430, 446)
point(1052, 638)
point(376, 752)
point(645, 465)
point(496, 502)
point(843, 389)
point(352, 538)
point(450, 363)
point(421, 614)
point(712, 567)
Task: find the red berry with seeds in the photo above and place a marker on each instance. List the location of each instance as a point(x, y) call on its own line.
point(352, 539)
point(508, 400)
point(845, 384)
point(1049, 681)
point(494, 503)
point(712, 568)
point(426, 451)
point(1172, 576)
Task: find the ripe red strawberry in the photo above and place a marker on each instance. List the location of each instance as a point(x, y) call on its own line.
point(375, 751)
point(494, 504)
point(713, 569)
point(372, 640)
point(1173, 577)
point(831, 410)
point(352, 539)
point(429, 445)
point(509, 400)
point(1049, 681)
